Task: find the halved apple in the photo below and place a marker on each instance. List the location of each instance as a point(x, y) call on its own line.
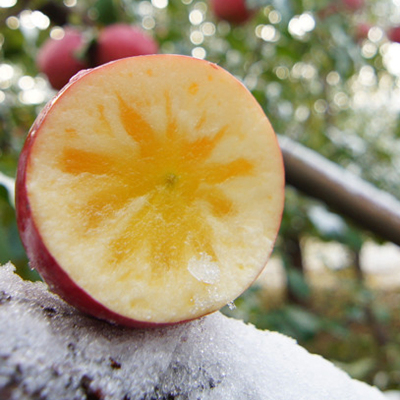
point(150, 190)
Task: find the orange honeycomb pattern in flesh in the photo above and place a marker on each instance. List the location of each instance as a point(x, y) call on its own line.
point(174, 175)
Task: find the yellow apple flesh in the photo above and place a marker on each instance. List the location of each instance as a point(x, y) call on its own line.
point(150, 190)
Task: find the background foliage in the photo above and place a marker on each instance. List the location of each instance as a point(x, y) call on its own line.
point(326, 74)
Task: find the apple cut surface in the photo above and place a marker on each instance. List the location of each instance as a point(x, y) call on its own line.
point(150, 191)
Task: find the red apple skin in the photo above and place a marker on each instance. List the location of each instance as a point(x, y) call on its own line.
point(120, 41)
point(327, 11)
point(234, 11)
point(40, 258)
point(361, 31)
point(353, 5)
point(394, 34)
point(57, 58)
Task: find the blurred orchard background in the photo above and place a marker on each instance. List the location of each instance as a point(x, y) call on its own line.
point(327, 74)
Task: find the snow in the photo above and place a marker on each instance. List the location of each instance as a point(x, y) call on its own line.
point(393, 395)
point(50, 350)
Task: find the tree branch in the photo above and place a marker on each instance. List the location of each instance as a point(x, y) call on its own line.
point(369, 207)
point(48, 350)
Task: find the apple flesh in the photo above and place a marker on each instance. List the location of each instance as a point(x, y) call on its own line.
point(150, 190)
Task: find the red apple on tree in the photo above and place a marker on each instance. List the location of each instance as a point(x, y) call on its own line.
point(394, 34)
point(234, 11)
point(353, 5)
point(328, 10)
point(122, 40)
point(59, 59)
point(150, 190)
point(361, 31)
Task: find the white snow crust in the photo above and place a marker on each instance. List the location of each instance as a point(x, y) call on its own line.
point(49, 350)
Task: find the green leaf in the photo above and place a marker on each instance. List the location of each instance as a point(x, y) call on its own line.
point(306, 323)
point(358, 369)
point(105, 12)
point(7, 184)
point(298, 284)
point(14, 45)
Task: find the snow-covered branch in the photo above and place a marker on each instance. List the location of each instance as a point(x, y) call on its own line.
point(48, 350)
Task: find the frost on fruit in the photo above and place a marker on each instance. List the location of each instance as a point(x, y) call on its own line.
point(204, 269)
point(50, 350)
